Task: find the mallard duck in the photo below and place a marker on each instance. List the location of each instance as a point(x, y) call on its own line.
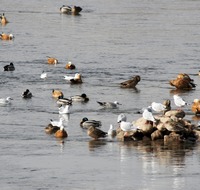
point(96, 133)
point(70, 66)
point(61, 133)
point(86, 123)
point(64, 101)
point(109, 104)
point(131, 83)
point(3, 19)
point(52, 61)
point(27, 94)
point(75, 10)
point(4, 36)
point(9, 67)
point(80, 98)
point(196, 106)
point(57, 93)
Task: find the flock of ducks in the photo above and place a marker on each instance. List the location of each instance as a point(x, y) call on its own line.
point(183, 81)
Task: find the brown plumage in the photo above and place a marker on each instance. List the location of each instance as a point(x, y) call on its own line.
point(4, 36)
point(52, 61)
point(50, 129)
point(196, 106)
point(96, 133)
point(131, 83)
point(3, 19)
point(77, 79)
point(57, 93)
point(182, 83)
point(61, 133)
point(70, 66)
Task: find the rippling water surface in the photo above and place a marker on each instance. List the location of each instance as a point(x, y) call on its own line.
point(109, 42)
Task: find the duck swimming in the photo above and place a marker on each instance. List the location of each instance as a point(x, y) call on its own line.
point(27, 94)
point(5, 101)
point(75, 10)
point(196, 107)
point(70, 66)
point(9, 67)
point(131, 83)
point(96, 133)
point(86, 123)
point(52, 61)
point(4, 36)
point(80, 98)
point(76, 79)
point(61, 133)
point(64, 101)
point(109, 104)
point(50, 129)
point(3, 19)
point(57, 93)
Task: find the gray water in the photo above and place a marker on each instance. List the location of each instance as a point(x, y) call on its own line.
point(109, 42)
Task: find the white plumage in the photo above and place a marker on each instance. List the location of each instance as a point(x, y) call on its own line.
point(147, 114)
point(158, 107)
point(179, 101)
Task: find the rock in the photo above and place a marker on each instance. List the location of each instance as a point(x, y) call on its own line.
point(156, 135)
point(176, 113)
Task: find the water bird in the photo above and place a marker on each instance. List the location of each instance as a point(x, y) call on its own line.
point(158, 107)
point(131, 83)
point(76, 79)
point(75, 10)
point(3, 19)
point(64, 101)
point(63, 109)
point(111, 131)
point(179, 102)
point(43, 75)
point(52, 60)
point(127, 126)
point(196, 106)
point(80, 98)
point(4, 36)
point(27, 94)
point(57, 123)
point(121, 117)
point(111, 105)
point(9, 67)
point(61, 133)
point(57, 93)
point(70, 66)
point(5, 101)
point(50, 129)
point(96, 133)
point(147, 114)
point(86, 123)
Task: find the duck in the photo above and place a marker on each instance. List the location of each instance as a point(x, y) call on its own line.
point(76, 79)
point(80, 98)
point(109, 105)
point(9, 67)
point(5, 36)
point(86, 123)
point(63, 101)
point(5, 101)
point(75, 10)
point(61, 133)
point(130, 83)
point(183, 81)
point(178, 101)
point(52, 61)
point(50, 129)
point(96, 133)
point(57, 93)
point(3, 19)
point(27, 94)
point(196, 106)
point(167, 104)
point(70, 66)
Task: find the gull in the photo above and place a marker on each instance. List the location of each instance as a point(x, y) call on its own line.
point(109, 104)
point(147, 114)
point(57, 123)
point(158, 107)
point(127, 126)
point(5, 100)
point(111, 131)
point(121, 117)
point(63, 109)
point(43, 75)
point(179, 102)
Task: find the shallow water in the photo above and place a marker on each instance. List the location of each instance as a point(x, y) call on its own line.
point(109, 42)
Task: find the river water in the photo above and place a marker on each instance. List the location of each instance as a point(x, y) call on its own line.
point(110, 42)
